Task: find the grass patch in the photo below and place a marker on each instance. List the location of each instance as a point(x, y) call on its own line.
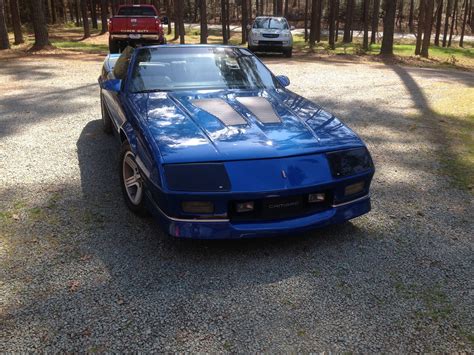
point(435, 304)
point(36, 213)
point(435, 51)
point(80, 46)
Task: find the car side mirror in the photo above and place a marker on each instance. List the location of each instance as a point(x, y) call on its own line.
point(283, 80)
point(292, 28)
point(164, 20)
point(113, 85)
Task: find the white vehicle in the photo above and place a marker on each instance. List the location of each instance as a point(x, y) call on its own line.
point(270, 34)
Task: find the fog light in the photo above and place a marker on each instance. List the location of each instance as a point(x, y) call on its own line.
point(197, 207)
point(354, 188)
point(242, 207)
point(314, 198)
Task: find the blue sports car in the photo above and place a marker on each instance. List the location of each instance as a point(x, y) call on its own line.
point(215, 146)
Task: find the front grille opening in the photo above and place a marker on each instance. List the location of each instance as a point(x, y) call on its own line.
point(279, 208)
point(270, 43)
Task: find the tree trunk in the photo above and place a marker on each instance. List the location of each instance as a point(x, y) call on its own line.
point(93, 14)
point(6, 10)
point(421, 23)
point(348, 21)
point(225, 39)
point(85, 20)
point(62, 10)
point(410, 16)
point(104, 14)
point(279, 7)
point(16, 21)
point(337, 20)
point(306, 9)
point(390, 8)
point(54, 17)
point(471, 16)
point(400, 16)
point(176, 20)
point(318, 21)
point(203, 15)
point(47, 13)
point(314, 26)
point(169, 10)
point(446, 22)
point(463, 30)
point(71, 10)
point(439, 18)
point(428, 25)
point(332, 19)
point(365, 41)
point(286, 8)
point(4, 42)
point(227, 18)
point(244, 21)
point(453, 19)
point(375, 21)
point(39, 25)
point(181, 22)
point(113, 6)
point(249, 13)
point(77, 11)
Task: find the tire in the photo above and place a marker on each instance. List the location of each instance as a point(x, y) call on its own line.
point(288, 53)
point(114, 46)
point(134, 190)
point(107, 125)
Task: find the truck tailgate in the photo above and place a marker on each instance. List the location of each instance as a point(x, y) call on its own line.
point(134, 24)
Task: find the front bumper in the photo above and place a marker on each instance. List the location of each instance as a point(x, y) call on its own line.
point(270, 46)
point(225, 229)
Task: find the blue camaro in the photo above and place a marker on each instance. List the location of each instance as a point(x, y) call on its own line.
point(215, 146)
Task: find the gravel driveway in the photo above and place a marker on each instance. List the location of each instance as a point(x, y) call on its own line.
point(79, 272)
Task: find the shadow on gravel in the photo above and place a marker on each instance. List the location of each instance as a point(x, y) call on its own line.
point(19, 111)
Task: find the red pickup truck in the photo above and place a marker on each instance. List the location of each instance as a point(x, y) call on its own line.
point(135, 25)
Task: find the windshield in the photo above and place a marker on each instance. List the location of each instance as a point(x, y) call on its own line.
point(272, 23)
point(181, 68)
point(136, 11)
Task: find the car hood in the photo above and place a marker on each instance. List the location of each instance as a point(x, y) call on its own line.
point(238, 125)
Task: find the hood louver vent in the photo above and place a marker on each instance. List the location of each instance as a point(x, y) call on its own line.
point(260, 108)
point(220, 109)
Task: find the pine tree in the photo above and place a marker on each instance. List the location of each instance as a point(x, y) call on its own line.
point(390, 8)
point(4, 42)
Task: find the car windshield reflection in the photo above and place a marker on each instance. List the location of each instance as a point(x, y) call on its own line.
point(171, 69)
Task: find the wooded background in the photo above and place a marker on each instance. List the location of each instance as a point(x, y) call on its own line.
point(333, 20)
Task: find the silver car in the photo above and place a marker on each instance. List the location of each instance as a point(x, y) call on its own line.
point(270, 34)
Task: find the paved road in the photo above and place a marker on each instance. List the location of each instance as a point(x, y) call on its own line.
point(80, 272)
